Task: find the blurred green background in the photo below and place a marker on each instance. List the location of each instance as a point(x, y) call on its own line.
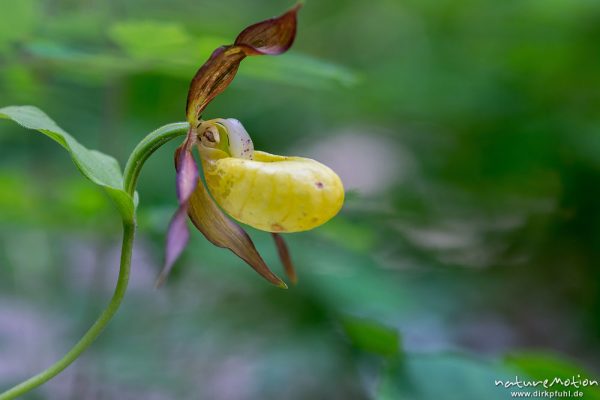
point(466, 132)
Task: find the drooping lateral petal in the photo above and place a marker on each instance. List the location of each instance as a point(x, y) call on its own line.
point(223, 232)
point(187, 172)
point(178, 236)
point(271, 37)
point(284, 256)
point(178, 233)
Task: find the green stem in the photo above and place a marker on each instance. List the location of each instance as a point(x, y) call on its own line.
point(145, 148)
point(131, 173)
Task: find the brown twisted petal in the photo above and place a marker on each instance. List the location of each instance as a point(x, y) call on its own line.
point(211, 79)
point(270, 37)
point(223, 232)
point(284, 256)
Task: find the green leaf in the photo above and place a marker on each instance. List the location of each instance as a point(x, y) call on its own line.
point(372, 336)
point(167, 46)
point(541, 366)
point(301, 70)
point(443, 376)
point(150, 39)
point(17, 21)
point(99, 168)
point(180, 59)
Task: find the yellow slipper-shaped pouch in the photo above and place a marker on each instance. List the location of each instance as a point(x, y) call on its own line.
point(266, 191)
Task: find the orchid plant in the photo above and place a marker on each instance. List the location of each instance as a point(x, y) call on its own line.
point(272, 193)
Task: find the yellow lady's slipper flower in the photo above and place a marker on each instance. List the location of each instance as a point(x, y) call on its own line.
point(272, 193)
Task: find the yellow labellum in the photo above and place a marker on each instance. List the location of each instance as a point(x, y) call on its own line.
point(273, 193)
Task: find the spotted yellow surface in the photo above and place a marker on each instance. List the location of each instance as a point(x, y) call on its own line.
point(275, 193)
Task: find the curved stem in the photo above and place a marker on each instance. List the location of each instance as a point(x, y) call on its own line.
point(132, 170)
point(145, 148)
